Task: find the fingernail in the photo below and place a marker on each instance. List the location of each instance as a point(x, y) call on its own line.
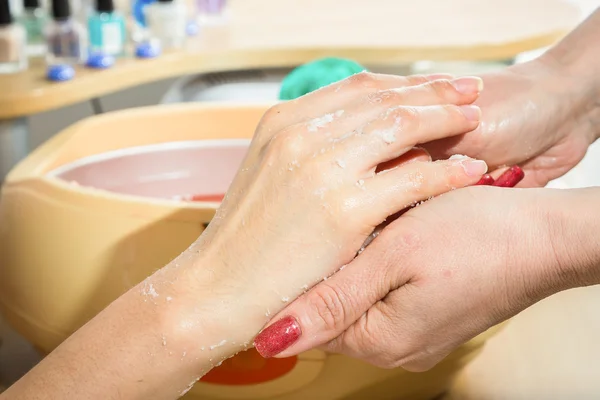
point(472, 113)
point(468, 84)
point(510, 177)
point(454, 157)
point(485, 180)
point(474, 167)
point(278, 337)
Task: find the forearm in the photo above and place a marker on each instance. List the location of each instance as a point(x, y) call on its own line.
point(578, 51)
point(576, 57)
point(152, 343)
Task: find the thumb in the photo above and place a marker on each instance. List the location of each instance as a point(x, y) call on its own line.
point(330, 307)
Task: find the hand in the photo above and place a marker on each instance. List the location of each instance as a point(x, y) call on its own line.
point(304, 201)
point(440, 275)
point(308, 195)
point(534, 114)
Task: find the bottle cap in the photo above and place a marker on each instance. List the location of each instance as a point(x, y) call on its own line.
point(100, 61)
point(61, 9)
point(147, 50)
point(60, 73)
point(106, 6)
point(31, 4)
point(5, 15)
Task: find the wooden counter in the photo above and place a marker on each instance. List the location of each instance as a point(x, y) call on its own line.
point(276, 33)
point(549, 352)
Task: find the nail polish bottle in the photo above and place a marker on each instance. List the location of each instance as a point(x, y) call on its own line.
point(107, 29)
point(13, 42)
point(210, 11)
point(66, 38)
point(138, 28)
point(167, 22)
point(34, 19)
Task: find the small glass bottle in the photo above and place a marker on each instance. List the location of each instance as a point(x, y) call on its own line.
point(210, 12)
point(34, 20)
point(13, 42)
point(107, 29)
point(167, 22)
point(66, 38)
point(137, 27)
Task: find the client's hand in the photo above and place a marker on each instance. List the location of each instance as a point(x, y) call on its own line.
point(321, 173)
point(446, 271)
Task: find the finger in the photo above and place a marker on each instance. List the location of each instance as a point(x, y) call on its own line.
point(402, 128)
point(372, 105)
point(334, 97)
point(384, 335)
point(392, 191)
point(324, 104)
point(415, 154)
point(326, 310)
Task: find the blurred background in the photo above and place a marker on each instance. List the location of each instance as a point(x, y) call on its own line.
point(174, 37)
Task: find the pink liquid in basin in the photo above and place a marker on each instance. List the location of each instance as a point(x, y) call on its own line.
point(197, 171)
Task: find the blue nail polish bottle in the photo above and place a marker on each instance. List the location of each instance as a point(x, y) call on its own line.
point(107, 29)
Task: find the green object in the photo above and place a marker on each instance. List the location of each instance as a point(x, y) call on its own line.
point(314, 75)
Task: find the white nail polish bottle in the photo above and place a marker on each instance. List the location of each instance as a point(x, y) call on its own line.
point(167, 22)
point(13, 41)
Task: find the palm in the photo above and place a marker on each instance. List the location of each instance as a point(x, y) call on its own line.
point(525, 123)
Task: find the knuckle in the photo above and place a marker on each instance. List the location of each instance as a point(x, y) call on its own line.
point(388, 96)
point(454, 113)
point(444, 90)
point(407, 113)
point(417, 79)
point(271, 113)
point(286, 145)
point(363, 79)
point(408, 119)
point(329, 303)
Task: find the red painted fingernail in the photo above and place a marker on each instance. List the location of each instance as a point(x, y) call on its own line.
point(510, 177)
point(278, 337)
point(486, 180)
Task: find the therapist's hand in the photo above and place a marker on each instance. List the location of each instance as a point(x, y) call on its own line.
point(537, 115)
point(446, 271)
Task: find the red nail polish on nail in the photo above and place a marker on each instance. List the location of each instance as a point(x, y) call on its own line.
point(510, 177)
point(278, 337)
point(486, 180)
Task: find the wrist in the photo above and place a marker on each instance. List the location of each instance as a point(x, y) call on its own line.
point(573, 224)
point(206, 310)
